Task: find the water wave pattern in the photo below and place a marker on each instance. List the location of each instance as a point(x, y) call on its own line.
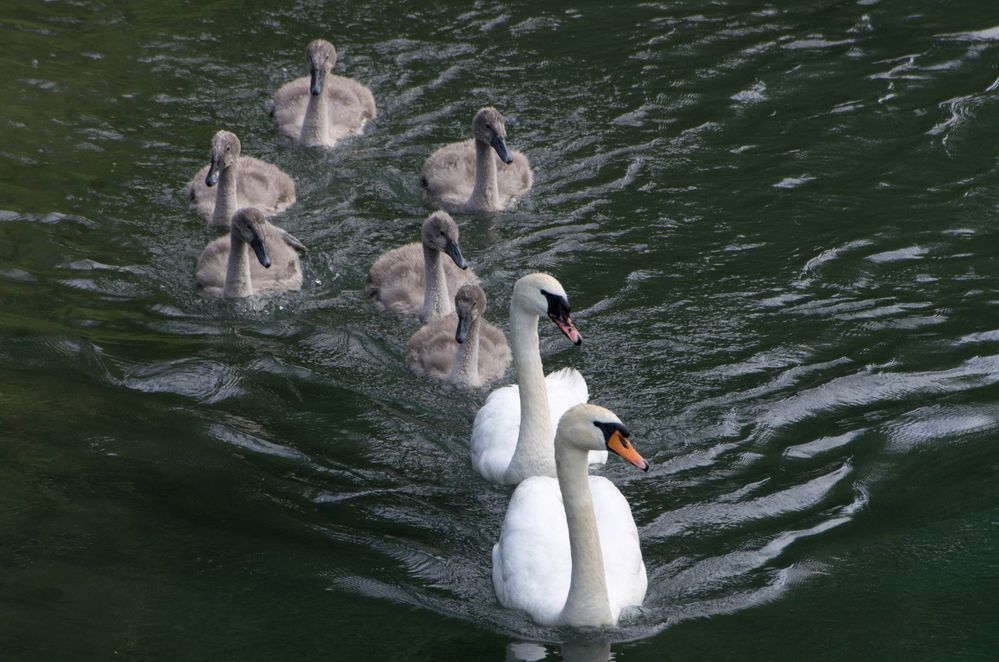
point(774, 225)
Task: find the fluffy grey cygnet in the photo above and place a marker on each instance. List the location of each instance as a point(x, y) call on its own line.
point(225, 268)
point(231, 181)
point(462, 348)
point(416, 279)
point(321, 108)
point(479, 174)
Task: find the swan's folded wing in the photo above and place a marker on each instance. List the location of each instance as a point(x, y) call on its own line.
point(210, 270)
point(359, 97)
point(263, 185)
point(619, 544)
point(202, 198)
point(290, 103)
point(395, 280)
point(531, 562)
point(432, 348)
point(566, 389)
point(449, 173)
point(514, 179)
point(494, 433)
point(288, 239)
point(494, 353)
point(457, 277)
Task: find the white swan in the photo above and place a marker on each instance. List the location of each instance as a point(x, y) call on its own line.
point(321, 108)
point(469, 176)
point(568, 552)
point(513, 431)
point(414, 280)
point(225, 269)
point(451, 348)
point(243, 181)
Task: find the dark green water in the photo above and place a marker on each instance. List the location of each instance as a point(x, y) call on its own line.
point(775, 220)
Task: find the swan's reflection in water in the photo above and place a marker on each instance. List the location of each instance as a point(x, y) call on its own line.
point(571, 651)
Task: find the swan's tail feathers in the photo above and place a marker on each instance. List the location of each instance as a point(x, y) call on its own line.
point(290, 239)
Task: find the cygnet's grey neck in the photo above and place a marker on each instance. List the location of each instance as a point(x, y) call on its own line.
point(465, 371)
point(237, 275)
point(485, 195)
point(226, 202)
point(436, 298)
point(315, 125)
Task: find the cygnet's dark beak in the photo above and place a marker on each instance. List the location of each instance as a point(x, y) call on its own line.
point(451, 248)
point(213, 173)
point(258, 247)
point(464, 322)
point(500, 146)
point(318, 78)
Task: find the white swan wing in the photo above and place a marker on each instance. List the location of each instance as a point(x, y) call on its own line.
point(531, 562)
point(619, 544)
point(497, 424)
point(566, 389)
point(494, 433)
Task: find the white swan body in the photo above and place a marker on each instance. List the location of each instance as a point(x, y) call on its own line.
point(480, 174)
point(242, 181)
point(415, 279)
point(462, 348)
point(320, 109)
point(569, 552)
point(497, 424)
point(225, 269)
point(513, 432)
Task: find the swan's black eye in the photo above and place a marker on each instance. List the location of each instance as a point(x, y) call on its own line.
point(610, 428)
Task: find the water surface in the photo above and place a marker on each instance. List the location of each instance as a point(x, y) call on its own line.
point(775, 224)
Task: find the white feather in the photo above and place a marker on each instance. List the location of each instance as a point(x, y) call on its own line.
point(532, 563)
point(497, 424)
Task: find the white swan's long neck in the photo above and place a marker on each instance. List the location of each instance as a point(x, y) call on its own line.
point(315, 125)
point(436, 298)
point(485, 195)
point(534, 455)
point(237, 273)
point(465, 371)
point(226, 202)
point(587, 603)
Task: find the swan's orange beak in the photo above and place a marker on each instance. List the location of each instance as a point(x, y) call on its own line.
point(620, 445)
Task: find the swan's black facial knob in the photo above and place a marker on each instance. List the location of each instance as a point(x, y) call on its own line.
point(558, 312)
point(618, 441)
